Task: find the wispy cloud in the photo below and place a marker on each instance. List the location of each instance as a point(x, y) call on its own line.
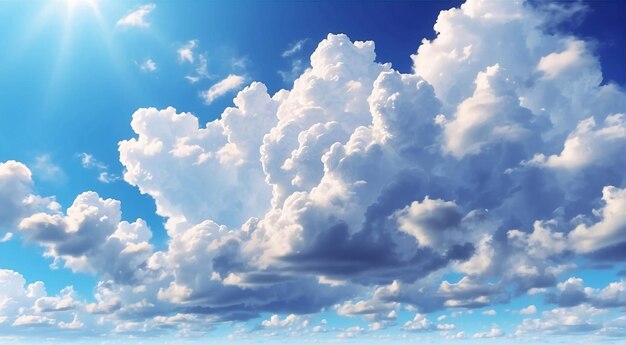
point(47, 170)
point(137, 17)
point(222, 87)
point(296, 47)
point(148, 65)
point(185, 53)
point(7, 237)
point(201, 71)
point(88, 161)
point(297, 67)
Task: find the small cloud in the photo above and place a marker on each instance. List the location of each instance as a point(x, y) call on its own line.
point(137, 17)
point(106, 177)
point(90, 162)
point(296, 47)
point(490, 312)
point(297, 67)
point(7, 237)
point(202, 70)
point(240, 62)
point(47, 170)
point(185, 53)
point(222, 87)
point(494, 332)
point(148, 65)
point(531, 309)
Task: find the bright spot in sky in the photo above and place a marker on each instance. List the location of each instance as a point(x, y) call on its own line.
point(73, 5)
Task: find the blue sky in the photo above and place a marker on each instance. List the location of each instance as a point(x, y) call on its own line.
point(393, 171)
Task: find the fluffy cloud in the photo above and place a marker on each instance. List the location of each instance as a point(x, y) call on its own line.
point(16, 194)
point(610, 230)
point(92, 238)
point(24, 306)
point(356, 159)
point(361, 181)
point(494, 332)
point(562, 321)
point(588, 144)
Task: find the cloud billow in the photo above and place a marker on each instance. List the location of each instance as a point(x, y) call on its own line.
point(361, 178)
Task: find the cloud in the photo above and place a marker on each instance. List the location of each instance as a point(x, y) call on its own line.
point(16, 194)
point(531, 309)
point(7, 237)
point(92, 238)
point(72, 325)
point(219, 89)
point(201, 70)
point(494, 332)
point(294, 48)
point(418, 324)
point(297, 67)
point(574, 320)
point(47, 170)
point(137, 16)
point(588, 144)
point(358, 159)
point(32, 320)
point(185, 53)
point(290, 320)
point(88, 161)
point(359, 188)
point(573, 292)
point(148, 65)
point(28, 305)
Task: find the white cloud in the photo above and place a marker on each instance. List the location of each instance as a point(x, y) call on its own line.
point(276, 322)
point(588, 144)
point(609, 230)
point(7, 237)
point(357, 180)
point(65, 301)
point(137, 17)
point(16, 198)
point(562, 321)
point(531, 309)
point(572, 58)
point(293, 49)
point(74, 324)
point(419, 323)
point(88, 161)
point(92, 238)
point(32, 320)
point(491, 114)
point(201, 69)
point(185, 53)
point(224, 86)
point(46, 169)
point(494, 332)
point(148, 65)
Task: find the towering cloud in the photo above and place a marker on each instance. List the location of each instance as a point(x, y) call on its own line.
point(364, 181)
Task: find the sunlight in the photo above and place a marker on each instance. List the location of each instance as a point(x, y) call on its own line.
point(72, 4)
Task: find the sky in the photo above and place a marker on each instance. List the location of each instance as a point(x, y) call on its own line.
point(312, 171)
